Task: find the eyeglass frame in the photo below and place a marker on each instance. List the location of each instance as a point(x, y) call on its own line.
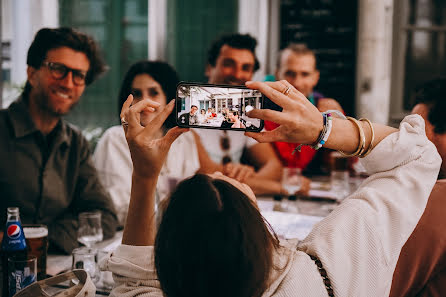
point(66, 70)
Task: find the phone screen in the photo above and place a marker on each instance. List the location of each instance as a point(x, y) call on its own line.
point(221, 107)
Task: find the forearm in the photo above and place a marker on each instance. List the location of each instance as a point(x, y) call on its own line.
point(345, 135)
point(261, 186)
point(140, 226)
point(272, 170)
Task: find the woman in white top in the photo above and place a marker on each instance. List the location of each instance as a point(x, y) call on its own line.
point(212, 240)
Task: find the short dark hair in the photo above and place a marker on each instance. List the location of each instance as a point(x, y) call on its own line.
point(194, 106)
point(299, 49)
point(213, 242)
point(162, 73)
point(433, 94)
point(238, 41)
point(47, 39)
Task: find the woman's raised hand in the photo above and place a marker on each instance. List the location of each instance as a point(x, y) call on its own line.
point(148, 152)
point(300, 121)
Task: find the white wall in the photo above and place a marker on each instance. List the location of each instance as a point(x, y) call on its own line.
point(260, 18)
point(374, 56)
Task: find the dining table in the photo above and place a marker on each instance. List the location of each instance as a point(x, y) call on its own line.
point(292, 226)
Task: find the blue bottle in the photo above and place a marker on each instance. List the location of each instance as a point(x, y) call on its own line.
point(13, 244)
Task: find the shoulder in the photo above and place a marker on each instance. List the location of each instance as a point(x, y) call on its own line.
point(324, 104)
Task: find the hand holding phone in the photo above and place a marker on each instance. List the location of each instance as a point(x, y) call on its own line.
point(222, 107)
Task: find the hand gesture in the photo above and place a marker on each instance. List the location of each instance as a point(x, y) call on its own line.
point(148, 152)
point(300, 121)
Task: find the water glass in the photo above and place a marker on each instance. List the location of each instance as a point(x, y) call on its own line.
point(106, 279)
point(90, 228)
point(340, 176)
point(22, 272)
point(291, 179)
point(85, 258)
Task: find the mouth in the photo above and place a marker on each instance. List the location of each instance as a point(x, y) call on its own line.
point(62, 95)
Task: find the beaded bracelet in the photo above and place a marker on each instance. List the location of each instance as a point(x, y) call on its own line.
point(323, 136)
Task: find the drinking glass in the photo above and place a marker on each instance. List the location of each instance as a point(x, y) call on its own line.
point(339, 175)
point(106, 279)
point(90, 228)
point(291, 182)
point(85, 258)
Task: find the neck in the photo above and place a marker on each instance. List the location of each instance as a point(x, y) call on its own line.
point(43, 120)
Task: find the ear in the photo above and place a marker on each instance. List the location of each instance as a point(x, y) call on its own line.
point(207, 71)
point(32, 74)
point(317, 75)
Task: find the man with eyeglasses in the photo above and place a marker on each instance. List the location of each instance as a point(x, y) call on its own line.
point(232, 60)
point(46, 168)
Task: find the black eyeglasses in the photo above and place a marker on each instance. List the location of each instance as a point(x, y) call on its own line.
point(60, 71)
point(225, 144)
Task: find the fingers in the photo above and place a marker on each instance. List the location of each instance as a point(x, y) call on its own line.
point(126, 106)
point(238, 171)
point(270, 92)
point(266, 136)
point(267, 114)
point(132, 114)
point(158, 121)
point(173, 134)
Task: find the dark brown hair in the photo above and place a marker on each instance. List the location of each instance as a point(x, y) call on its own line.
point(47, 39)
point(213, 241)
point(433, 94)
point(238, 41)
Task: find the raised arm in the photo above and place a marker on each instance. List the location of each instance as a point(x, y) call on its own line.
point(360, 241)
point(148, 156)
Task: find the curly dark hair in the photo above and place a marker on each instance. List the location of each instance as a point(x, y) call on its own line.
point(433, 94)
point(162, 73)
point(238, 41)
point(47, 39)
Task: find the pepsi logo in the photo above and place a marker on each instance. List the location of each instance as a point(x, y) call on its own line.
point(13, 231)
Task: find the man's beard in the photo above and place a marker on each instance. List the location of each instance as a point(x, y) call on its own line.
point(42, 100)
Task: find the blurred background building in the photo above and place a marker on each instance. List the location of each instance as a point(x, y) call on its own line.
point(371, 53)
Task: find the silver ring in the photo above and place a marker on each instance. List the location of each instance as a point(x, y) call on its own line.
point(124, 123)
point(287, 91)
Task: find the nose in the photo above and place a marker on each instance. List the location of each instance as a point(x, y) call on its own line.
point(67, 81)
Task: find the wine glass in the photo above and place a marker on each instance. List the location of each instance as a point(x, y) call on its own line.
point(90, 228)
point(291, 182)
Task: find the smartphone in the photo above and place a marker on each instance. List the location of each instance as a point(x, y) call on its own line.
point(222, 107)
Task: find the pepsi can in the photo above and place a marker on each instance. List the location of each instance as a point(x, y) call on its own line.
point(13, 244)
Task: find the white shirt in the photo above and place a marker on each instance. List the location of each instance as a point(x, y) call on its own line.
point(114, 164)
point(211, 140)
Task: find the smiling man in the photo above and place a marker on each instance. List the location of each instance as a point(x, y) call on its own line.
point(46, 168)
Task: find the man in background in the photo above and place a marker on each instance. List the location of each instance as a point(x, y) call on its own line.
point(46, 168)
point(297, 64)
point(421, 267)
point(232, 60)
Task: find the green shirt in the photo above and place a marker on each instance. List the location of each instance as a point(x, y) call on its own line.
point(50, 178)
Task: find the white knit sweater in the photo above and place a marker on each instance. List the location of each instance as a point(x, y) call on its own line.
point(358, 243)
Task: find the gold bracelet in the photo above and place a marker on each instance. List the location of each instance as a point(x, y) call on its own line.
point(361, 144)
point(370, 148)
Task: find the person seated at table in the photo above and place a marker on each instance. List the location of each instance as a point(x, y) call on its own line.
point(298, 65)
point(209, 113)
point(157, 81)
point(421, 267)
point(46, 168)
point(213, 241)
point(202, 116)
